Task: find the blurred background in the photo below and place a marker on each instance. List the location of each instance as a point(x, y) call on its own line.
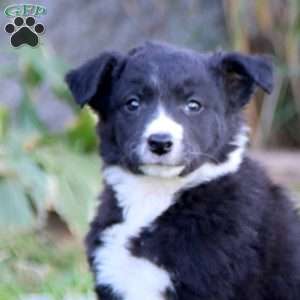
point(49, 169)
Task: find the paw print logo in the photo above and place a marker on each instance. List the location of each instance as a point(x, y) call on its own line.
point(24, 32)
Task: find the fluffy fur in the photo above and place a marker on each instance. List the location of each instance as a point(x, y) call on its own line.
point(201, 220)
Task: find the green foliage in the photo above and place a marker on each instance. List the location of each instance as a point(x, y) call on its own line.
point(81, 135)
point(39, 170)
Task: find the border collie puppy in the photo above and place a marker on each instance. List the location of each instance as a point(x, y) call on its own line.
point(184, 214)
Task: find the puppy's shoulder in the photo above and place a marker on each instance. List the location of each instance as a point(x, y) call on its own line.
point(107, 214)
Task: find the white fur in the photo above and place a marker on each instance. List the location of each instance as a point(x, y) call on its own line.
point(161, 170)
point(162, 124)
point(143, 199)
point(210, 171)
point(154, 79)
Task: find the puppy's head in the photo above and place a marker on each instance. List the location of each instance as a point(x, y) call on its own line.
point(166, 111)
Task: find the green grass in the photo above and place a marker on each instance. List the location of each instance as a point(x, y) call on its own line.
point(35, 264)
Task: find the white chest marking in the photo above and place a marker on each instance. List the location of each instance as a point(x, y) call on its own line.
point(142, 199)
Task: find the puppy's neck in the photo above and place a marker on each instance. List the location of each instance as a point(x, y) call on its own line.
point(121, 179)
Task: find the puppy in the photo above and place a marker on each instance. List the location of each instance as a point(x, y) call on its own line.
point(184, 214)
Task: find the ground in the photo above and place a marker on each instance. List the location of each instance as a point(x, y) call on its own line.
point(35, 267)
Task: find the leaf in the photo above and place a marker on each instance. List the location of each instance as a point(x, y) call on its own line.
point(33, 180)
point(73, 203)
point(4, 121)
point(27, 116)
point(77, 184)
point(32, 75)
point(30, 60)
point(15, 212)
point(82, 135)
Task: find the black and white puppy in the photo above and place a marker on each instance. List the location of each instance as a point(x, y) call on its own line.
point(184, 214)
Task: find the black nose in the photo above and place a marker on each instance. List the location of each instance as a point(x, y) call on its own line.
point(160, 144)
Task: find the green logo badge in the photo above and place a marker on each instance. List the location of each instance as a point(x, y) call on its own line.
point(25, 10)
point(24, 29)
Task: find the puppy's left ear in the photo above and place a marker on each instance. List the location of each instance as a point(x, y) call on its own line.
point(242, 74)
point(91, 83)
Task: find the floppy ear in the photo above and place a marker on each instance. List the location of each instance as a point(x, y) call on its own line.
point(242, 74)
point(91, 83)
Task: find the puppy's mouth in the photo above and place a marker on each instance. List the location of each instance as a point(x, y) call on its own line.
point(164, 165)
point(161, 170)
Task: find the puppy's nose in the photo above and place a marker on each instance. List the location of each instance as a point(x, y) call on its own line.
point(160, 143)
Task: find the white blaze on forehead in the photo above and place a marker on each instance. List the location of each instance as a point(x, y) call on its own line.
point(162, 123)
point(154, 80)
point(165, 165)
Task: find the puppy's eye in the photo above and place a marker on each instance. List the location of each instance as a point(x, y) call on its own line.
point(133, 103)
point(194, 106)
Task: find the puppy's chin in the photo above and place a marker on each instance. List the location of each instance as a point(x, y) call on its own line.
point(163, 171)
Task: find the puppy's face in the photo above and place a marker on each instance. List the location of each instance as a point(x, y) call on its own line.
point(166, 111)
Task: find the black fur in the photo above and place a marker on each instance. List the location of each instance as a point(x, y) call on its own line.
point(234, 238)
point(106, 83)
point(229, 239)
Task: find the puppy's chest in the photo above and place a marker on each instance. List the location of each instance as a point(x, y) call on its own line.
point(128, 275)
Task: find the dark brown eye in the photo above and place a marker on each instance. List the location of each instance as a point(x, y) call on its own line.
point(132, 104)
point(194, 106)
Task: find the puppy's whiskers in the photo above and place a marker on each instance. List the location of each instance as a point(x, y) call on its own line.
point(195, 154)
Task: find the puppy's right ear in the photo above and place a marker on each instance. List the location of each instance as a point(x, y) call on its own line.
point(91, 83)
